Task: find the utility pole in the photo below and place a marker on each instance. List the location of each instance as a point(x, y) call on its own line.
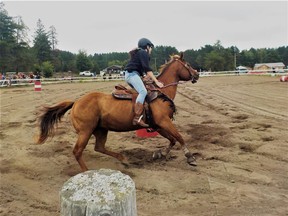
point(235, 65)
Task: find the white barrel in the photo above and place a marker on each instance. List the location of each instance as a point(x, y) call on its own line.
point(103, 193)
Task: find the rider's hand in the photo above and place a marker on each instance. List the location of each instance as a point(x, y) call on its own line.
point(159, 84)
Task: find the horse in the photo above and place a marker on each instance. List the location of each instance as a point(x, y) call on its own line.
point(97, 113)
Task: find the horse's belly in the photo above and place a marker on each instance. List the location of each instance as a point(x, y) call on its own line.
point(117, 117)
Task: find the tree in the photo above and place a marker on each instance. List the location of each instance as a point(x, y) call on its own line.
point(201, 56)
point(53, 37)
point(230, 55)
point(246, 58)
point(13, 41)
point(42, 44)
point(115, 62)
point(68, 61)
point(214, 61)
point(273, 56)
point(47, 69)
point(95, 68)
point(83, 63)
point(160, 55)
point(17, 55)
point(191, 57)
point(283, 52)
point(55, 60)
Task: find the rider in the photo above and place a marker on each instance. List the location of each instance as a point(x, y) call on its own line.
point(137, 67)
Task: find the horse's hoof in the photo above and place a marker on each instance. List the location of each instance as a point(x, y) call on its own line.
point(191, 161)
point(157, 155)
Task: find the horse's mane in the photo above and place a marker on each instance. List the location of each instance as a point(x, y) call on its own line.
point(165, 66)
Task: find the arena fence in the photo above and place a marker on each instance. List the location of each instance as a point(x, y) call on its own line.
point(26, 82)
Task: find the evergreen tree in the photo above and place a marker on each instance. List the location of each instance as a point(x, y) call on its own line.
point(160, 55)
point(95, 68)
point(283, 52)
point(42, 44)
point(47, 69)
point(13, 45)
point(191, 56)
point(16, 55)
point(53, 37)
point(68, 61)
point(83, 63)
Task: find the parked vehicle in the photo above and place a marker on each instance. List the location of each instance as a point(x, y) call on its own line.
point(86, 73)
point(241, 69)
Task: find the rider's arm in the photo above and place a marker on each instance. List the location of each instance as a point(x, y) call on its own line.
point(144, 59)
point(151, 75)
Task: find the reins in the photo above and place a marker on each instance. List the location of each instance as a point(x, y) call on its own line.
point(174, 83)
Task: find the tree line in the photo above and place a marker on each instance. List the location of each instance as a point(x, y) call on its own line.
point(44, 58)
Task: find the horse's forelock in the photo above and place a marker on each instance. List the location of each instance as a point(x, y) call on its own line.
point(175, 57)
point(172, 58)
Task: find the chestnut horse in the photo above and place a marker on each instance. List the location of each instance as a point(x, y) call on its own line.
point(97, 113)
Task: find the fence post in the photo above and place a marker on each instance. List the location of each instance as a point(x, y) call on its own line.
point(103, 193)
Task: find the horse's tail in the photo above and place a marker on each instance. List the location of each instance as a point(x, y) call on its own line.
point(49, 117)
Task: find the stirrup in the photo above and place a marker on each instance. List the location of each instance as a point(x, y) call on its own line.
point(140, 122)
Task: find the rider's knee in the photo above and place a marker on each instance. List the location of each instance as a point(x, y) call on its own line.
point(143, 92)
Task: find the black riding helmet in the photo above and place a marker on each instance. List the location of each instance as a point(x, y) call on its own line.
point(144, 42)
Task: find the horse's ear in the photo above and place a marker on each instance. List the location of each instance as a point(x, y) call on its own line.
point(181, 55)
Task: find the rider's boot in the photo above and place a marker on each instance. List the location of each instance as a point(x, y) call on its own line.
point(137, 120)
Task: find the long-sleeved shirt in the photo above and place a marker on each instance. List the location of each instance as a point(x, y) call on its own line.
point(139, 62)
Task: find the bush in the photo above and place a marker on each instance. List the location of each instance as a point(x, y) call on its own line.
point(37, 69)
point(47, 69)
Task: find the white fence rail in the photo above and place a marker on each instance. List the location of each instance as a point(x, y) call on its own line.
point(26, 82)
point(283, 72)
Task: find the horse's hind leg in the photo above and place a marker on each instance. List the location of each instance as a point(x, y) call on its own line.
point(158, 154)
point(101, 138)
point(80, 145)
point(167, 125)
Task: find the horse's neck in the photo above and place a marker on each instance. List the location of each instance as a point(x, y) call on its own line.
point(169, 78)
point(170, 91)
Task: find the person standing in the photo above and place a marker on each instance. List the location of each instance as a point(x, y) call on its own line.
point(138, 67)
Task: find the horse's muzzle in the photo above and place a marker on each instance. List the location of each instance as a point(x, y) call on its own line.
point(195, 78)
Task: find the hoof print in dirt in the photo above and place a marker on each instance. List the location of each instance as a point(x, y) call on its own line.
point(125, 164)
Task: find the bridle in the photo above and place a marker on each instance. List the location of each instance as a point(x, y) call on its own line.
point(188, 67)
point(193, 78)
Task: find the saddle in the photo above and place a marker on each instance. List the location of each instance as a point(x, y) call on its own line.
point(122, 93)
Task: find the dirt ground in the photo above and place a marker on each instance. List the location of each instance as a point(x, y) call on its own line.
point(237, 124)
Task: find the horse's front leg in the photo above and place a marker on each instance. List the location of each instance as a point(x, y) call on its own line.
point(164, 153)
point(167, 126)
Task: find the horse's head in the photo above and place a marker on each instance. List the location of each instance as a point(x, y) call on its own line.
point(186, 72)
point(177, 69)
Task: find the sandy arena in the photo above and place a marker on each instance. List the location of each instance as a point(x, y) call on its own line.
point(237, 124)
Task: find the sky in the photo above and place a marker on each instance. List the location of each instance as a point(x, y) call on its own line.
point(116, 26)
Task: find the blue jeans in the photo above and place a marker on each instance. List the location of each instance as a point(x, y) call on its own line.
point(135, 81)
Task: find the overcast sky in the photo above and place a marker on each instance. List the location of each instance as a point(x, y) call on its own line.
point(116, 26)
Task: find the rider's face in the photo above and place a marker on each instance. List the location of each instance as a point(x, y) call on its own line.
point(149, 49)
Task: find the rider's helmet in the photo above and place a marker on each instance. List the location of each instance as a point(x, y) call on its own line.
point(144, 42)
